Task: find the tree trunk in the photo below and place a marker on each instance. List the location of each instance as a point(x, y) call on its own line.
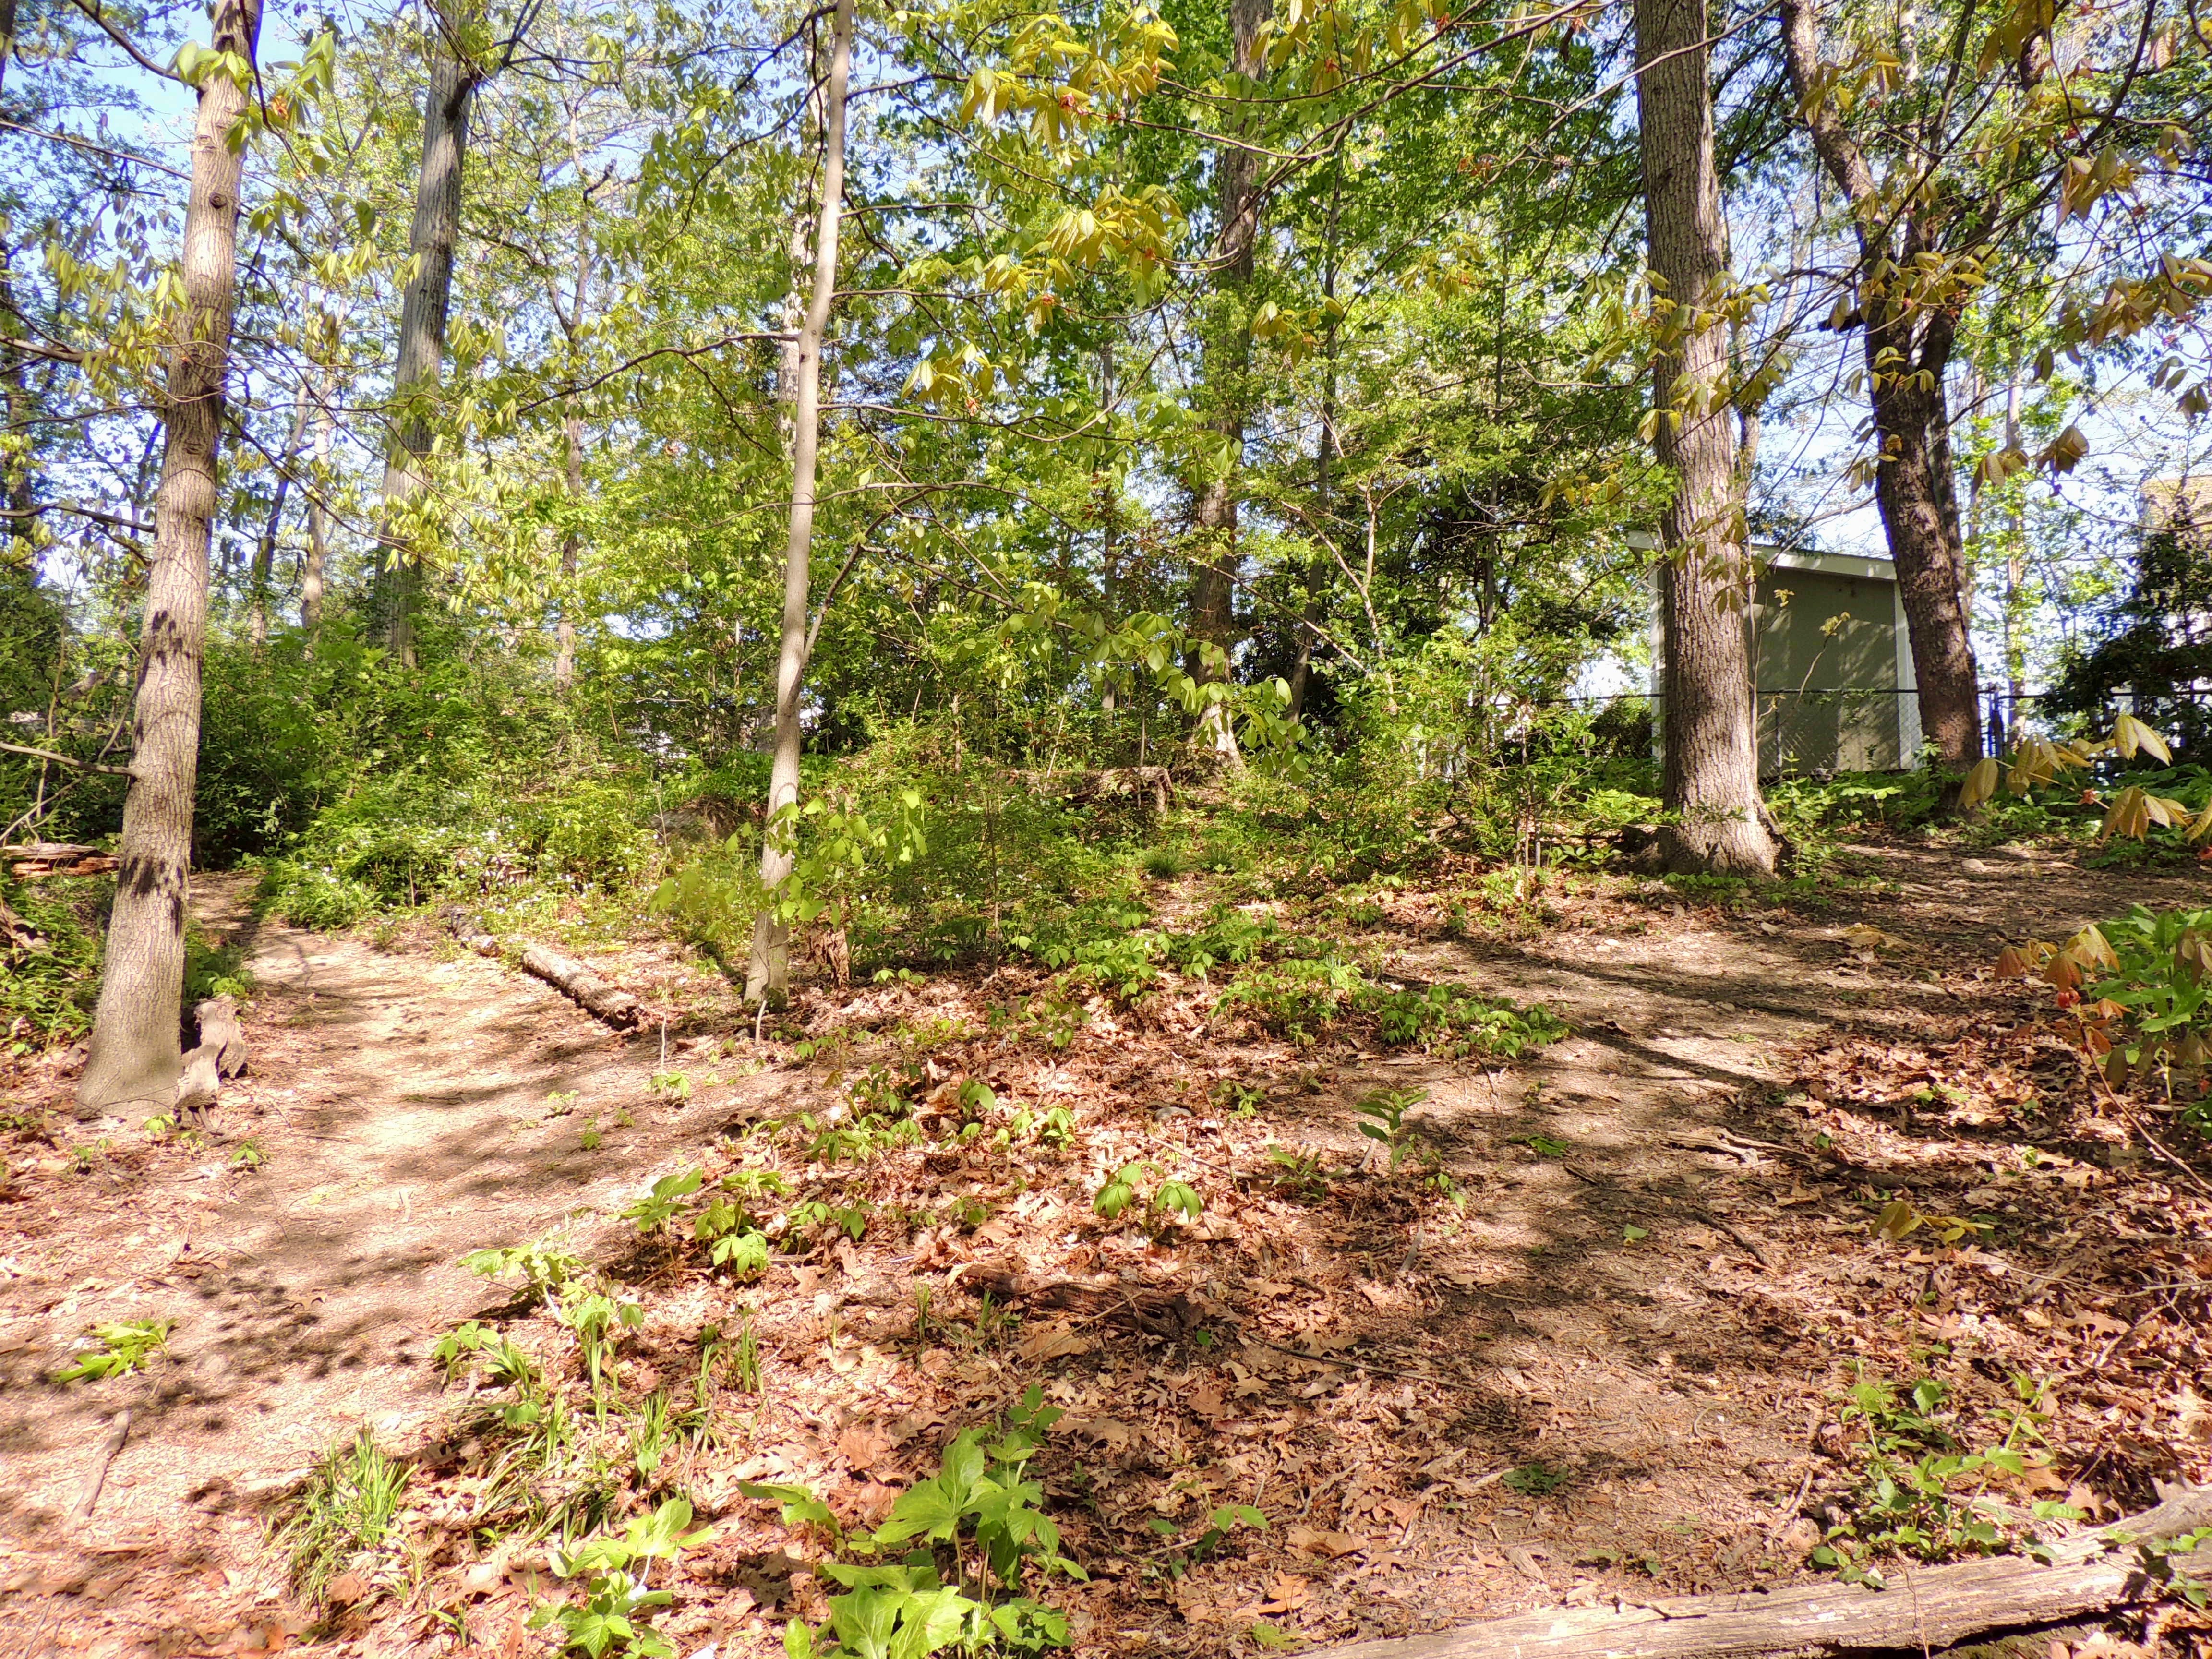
point(424, 308)
point(316, 560)
point(1326, 450)
point(767, 970)
point(1908, 348)
point(135, 1051)
point(264, 551)
point(572, 431)
point(1213, 600)
point(1710, 768)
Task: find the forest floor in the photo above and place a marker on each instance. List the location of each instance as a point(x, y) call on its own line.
point(1620, 1365)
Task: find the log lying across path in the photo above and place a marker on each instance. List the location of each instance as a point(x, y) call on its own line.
point(1925, 1609)
point(564, 974)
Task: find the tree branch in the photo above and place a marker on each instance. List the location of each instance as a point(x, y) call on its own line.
point(64, 760)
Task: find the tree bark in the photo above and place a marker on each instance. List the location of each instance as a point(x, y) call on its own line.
point(424, 308)
point(1214, 515)
point(1709, 767)
point(768, 968)
point(264, 551)
point(135, 1053)
point(1908, 350)
point(572, 432)
point(1925, 1609)
point(316, 560)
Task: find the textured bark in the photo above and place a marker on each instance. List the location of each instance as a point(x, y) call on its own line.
point(264, 551)
point(571, 425)
point(1710, 769)
point(424, 308)
point(1214, 510)
point(135, 1054)
point(767, 966)
point(316, 559)
point(1925, 1609)
point(1908, 348)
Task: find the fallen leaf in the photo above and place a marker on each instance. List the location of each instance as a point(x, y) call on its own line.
point(1054, 1342)
point(1306, 1540)
point(864, 1445)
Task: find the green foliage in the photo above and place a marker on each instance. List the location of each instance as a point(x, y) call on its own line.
point(48, 989)
point(658, 1206)
point(546, 1266)
point(1385, 1111)
point(985, 1513)
point(348, 1510)
point(1535, 1479)
point(117, 1349)
point(1910, 1462)
point(1443, 1019)
point(614, 1615)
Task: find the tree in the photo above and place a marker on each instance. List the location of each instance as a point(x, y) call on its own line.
point(1709, 780)
point(424, 308)
point(767, 970)
point(134, 1050)
point(1910, 325)
point(1228, 364)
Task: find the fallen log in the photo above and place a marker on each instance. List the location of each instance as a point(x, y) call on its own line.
point(32, 859)
point(564, 974)
point(1922, 1609)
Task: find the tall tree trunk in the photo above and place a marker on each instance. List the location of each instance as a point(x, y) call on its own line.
point(2015, 557)
point(1212, 601)
point(264, 551)
point(135, 1054)
point(1710, 773)
point(423, 310)
point(572, 432)
point(1908, 350)
point(1327, 451)
point(767, 970)
point(316, 559)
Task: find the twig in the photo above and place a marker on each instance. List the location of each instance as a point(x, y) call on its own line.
point(2156, 1145)
point(98, 1477)
point(1355, 1364)
point(64, 760)
point(1791, 1508)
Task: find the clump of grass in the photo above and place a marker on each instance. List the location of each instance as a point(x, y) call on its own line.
point(1161, 863)
point(349, 1509)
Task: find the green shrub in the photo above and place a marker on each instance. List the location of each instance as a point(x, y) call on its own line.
point(47, 993)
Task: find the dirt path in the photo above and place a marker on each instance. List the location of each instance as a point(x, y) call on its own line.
point(403, 1104)
point(1640, 1300)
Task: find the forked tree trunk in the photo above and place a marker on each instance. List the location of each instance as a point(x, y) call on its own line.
point(1213, 600)
point(1710, 771)
point(424, 308)
point(135, 1051)
point(767, 969)
point(1908, 350)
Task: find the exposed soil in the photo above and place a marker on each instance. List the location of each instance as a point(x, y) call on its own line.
point(1614, 1370)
